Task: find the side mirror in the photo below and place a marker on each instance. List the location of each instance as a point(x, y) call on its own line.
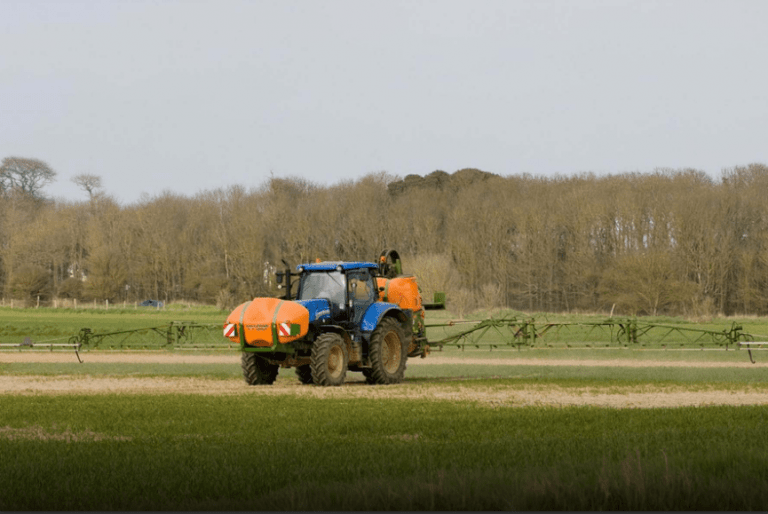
point(279, 276)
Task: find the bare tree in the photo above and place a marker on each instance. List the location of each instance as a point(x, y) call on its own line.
point(645, 282)
point(88, 183)
point(26, 175)
point(107, 274)
point(31, 281)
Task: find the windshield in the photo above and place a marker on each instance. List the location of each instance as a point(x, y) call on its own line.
point(319, 284)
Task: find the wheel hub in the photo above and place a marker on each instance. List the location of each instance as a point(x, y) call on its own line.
point(391, 352)
point(335, 361)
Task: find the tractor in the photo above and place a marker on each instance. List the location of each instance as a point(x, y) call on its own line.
point(346, 316)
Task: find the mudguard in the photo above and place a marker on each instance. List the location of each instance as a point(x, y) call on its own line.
point(375, 312)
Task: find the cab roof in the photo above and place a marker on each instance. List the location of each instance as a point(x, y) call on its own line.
point(332, 265)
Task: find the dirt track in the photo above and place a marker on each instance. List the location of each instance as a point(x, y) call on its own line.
point(505, 396)
point(497, 396)
point(179, 358)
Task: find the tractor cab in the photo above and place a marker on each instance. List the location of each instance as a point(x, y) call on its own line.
point(349, 288)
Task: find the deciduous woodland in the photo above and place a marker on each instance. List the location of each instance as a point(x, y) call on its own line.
point(667, 242)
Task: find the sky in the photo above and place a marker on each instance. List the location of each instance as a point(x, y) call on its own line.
point(187, 96)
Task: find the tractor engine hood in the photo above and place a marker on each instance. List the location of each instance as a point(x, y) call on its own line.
point(319, 309)
point(267, 322)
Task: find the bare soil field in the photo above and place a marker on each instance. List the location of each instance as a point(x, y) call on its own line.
point(497, 396)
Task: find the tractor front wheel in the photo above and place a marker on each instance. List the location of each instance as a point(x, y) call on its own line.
point(388, 351)
point(256, 369)
point(329, 360)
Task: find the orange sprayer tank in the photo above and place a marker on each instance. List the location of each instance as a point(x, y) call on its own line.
point(267, 319)
point(402, 291)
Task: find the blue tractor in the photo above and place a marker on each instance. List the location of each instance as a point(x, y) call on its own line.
point(346, 316)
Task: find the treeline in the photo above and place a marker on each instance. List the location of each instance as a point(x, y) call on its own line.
point(671, 241)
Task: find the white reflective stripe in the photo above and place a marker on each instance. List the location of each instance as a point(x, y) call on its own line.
point(285, 329)
point(229, 330)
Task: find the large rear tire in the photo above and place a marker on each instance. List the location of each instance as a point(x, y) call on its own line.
point(329, 360)
point(388, 352)
point(256, 369)
point(304, 373)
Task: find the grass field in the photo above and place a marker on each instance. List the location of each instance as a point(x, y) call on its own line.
point(47, 323)
point(544, 429)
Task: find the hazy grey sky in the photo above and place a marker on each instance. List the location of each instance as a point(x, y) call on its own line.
point(187, 96)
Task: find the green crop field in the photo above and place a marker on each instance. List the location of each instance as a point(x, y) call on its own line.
point(192, 452)
point(48, 323)
point(536, 429)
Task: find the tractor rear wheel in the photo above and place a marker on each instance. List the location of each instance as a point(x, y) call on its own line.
point(304, 373)
point(329, 360)
point(388, 351)
point(256, 369)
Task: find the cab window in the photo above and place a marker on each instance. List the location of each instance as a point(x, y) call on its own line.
point(320, 284)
